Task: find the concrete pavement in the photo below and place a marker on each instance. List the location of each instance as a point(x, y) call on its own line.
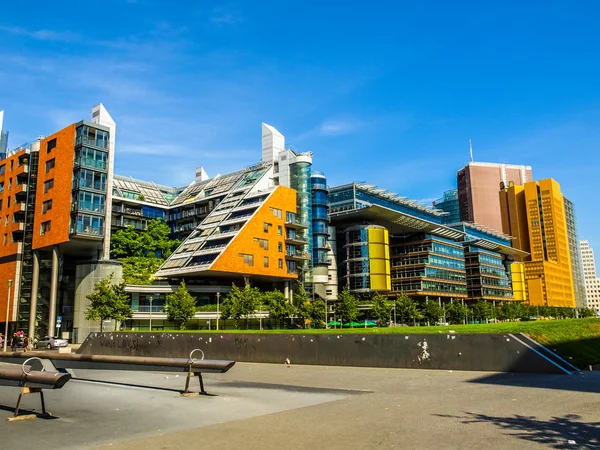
point(272, 407)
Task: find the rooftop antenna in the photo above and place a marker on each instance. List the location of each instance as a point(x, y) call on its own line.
point(471, 149)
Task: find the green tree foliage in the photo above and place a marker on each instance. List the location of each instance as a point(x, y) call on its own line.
point(301, 304)
point(456, 313)
point(381, 308)
point(108, 301)
point(240, 303)
point(156, 238)
point(280, 308)
point(586, 312)
point(126, 243)
point(154, 241)
point(482, 310)
point(140, 270)
point(346, 307)
point(406, 308)
point(180, 307)
point(432, 311)
point(316, 312)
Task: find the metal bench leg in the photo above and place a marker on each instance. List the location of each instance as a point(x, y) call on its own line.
point(202, 391)
point(18, 403)
point(43, 402)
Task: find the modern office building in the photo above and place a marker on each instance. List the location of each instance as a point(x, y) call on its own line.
point(592, 282)
point(54, 207)
point(3, 138)
point(449, 204)
point(478, 191)
point(535, 215)
point(388, 244)
point(575, 254)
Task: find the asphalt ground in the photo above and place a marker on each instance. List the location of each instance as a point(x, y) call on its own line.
point(270, 406)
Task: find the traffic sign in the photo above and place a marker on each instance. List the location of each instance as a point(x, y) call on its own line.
point(58, 325)
point(59, 318)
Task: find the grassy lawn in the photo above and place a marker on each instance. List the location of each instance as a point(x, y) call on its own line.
point(577, 340)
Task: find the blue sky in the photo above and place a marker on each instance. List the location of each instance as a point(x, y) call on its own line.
point(384, 92)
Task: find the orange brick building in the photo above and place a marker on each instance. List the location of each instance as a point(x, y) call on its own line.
point(53, 197)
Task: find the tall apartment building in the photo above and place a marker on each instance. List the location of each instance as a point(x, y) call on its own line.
point(535, 215)
point(450, 205)
point(3, 138)
point(385, 243)
point(592, 282)
point(478, 183)
point(575, 253)
point(54, 206)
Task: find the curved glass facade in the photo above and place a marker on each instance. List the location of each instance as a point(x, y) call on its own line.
point(320, 219)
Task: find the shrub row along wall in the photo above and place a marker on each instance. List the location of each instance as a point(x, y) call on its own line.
point(482, 352)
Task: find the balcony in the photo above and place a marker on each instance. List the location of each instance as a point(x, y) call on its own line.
point(21, 188)
point(292, 222)
point(296, 240)
point(297, 256)
point(147, 308)
point(20, 207)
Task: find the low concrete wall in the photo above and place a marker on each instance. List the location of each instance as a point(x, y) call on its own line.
point(481, 352)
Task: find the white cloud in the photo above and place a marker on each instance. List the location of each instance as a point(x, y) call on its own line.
point(42, 35)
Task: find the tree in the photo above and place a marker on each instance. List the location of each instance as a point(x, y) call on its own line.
point(316, 312)
point(126, 243)
point(456, 312)
point(432, 311)
point(180, 307)
point(280, 308)
point(346, 308)
point(406, 308)
point(301, 305)
point(482, 310)
point(240, 303)
point(381, 308)
point(156, 239)
point(140, 270)
point(108, 301)
point(586, 312)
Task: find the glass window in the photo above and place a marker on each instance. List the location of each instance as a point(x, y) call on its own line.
point(90, 201)
point(50, 164)
point(280, 246)
point(266, 262)
point(91, 225)
point(279, 230)
point(46, 206)
point(51, 145)
point(49, 184)
point(248, 259)
point(266, 227)
point(45, 227)
point(280, 263)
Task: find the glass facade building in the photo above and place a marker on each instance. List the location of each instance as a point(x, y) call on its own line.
point(320, 219)
point(449, 204)
point(90, 172)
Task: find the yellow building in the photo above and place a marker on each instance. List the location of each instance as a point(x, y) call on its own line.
point(535, 215)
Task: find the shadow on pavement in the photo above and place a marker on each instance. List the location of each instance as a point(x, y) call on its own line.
point(584, 382)
point(566, 432)
point(25, 412)
point(133, 385)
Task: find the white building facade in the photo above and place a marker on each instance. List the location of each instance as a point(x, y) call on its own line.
point(592, 282)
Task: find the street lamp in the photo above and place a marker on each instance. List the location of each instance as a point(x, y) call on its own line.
point(326, 314)
point(7, 308)
point(218, 295)
point(150, 298)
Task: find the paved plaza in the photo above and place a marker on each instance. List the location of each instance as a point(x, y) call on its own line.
point(274, 407)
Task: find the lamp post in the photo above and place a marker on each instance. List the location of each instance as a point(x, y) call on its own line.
point(7, 308)
point(150, 298)
point(395, 311)
point(326, 314)
point(218, 295)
